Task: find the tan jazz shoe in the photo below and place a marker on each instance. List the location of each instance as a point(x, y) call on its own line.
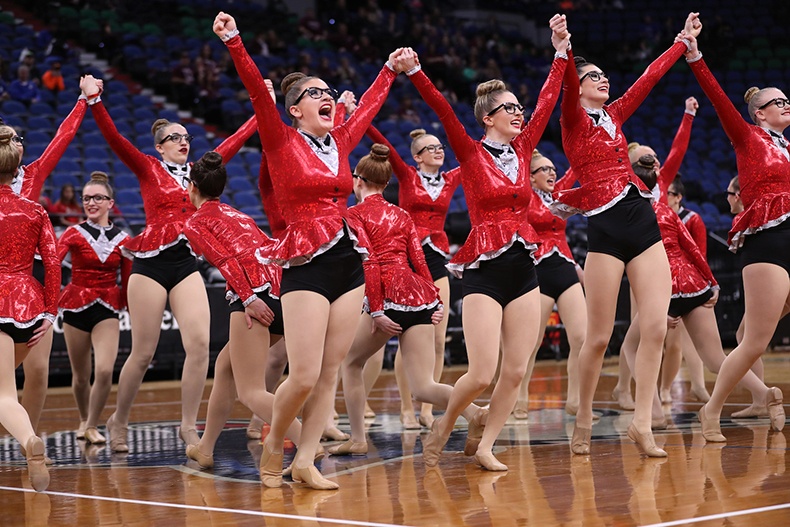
point(311, 477)
point(118, 434)
point(646, 441)
point(711, 430)
point(36, 467)
point(489, 462)
point(204, 460)
point(349, 448)
point(271, 468)
point(433, 445)
point(776, 411)
point(475, 431)
point(92, 435)
point(580, 442)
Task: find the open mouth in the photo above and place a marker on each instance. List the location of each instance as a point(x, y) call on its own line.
point(184, 150)
point(604, 88)
point(516, 123)
point(325, 111)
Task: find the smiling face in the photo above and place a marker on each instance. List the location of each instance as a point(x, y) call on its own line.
point(543, 174)
point(314, 116)
point(426, 160)
point(96, 211)
point(593, 93)
point(174, 152)
point(501, 125)
point(772, 115)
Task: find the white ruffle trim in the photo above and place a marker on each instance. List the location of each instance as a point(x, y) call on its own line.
point(231, 296)
point(24, 325)
point(427, 241)
point(697, 293)
point(301, 260)
point(398, 307)
point(150, 254)
point(86, 306)
point(555, 250)
point(566, 211)
point(458, 269)
point(739, 237)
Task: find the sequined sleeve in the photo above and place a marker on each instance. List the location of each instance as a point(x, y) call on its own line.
point(463, 146)
point(547, 100)
point(571, 109)
point(47, 249)
point(205, 242)
point(270, 205)
point(416, 254)
point(676, 154)
point(340, 113)
point(125, 150)
point(352, 130)
point(565, 182)
point(64, 244)
point(39, 170)
point(231, 146)
point(399, 166)
point(374, 288)
point(688, 246)
point(699, 233)
point(736, 128)
point(626, 105)
point(266, 113)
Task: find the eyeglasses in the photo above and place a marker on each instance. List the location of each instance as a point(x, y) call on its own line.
point(186, 180)
point(176, 138)
point(545, 169)
point(594, 76)
point(779, 102)
point(317, 93)
point(432, 149)
point(98, 198)
point(356, 176)
point(671, 193)
point(510, 107)
point(731, 193)
point(18, 139)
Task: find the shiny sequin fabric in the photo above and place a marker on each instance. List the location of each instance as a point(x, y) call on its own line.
point(228, 239)
point(390, 282)
point(763, 169)
point(96, 259)
point(671, 165)
point(26, 229)
point(165, 200)
point(550, 228)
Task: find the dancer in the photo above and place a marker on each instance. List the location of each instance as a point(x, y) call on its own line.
point(757, 233)
point(425, 192)
point(558, 278)
point(28, 183)
point(164, 266)
point(320, 249)
point(501, 298)
point(27, 309)
point(92, 301)
point(228, 239)
point(622, 233)
point(400, 301)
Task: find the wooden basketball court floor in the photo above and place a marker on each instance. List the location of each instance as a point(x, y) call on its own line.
point(744, 482)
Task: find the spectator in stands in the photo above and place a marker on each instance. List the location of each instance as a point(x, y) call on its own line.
point(183, 82)
point(4, 95)
point(67, 203)
point(23, 89)
point(345, 72)
point(28, 58)
point(52, 79)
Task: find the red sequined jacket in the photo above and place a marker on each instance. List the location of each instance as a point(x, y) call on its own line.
point(696, 228)
point(25, 230)
point(498, 208)
point(390, 282)
point(601, 162)
point(312, 198)
point(691, 275)
point(166, 203)
point(428, 214)
point(550, 228)
point(763, 170)
point(96, 259)
point(671, 166)
point(228, 239)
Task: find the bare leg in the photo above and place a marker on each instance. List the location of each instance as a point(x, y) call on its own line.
point(372, 371)
point(78, 344)
point(220, 402)
point(275, 366)
point(522, 401)
point(573, 312)
point(440, 337)
point(13, 416)
point(407, 415)
point(694, 365)
point(36, 366)
point(670, 366)
point(628, 352)
point(105, 350)
point(622, 390)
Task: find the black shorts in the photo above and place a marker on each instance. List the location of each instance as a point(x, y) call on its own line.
point(38, 270)
point(624, 231)
point(276, 327)
point(555, 276)
point(408, 319)
point(169, 267)
point(436, 262)
point(768, 246)
point(505, 278)
point(682, 306)
point(19, 335)
point(87, 319)
point(331, 274)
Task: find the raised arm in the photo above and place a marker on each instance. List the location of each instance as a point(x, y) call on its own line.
point(270, 205)
point(572, 112)
point(41, 168)
point(565, 182)
point(399, 166)
point(680, 145)
point(231, 146)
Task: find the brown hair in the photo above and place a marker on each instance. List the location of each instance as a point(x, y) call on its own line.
point(488, 94)
point(291, 86)
point(9, 155)
point(209, 175)
point(755, 97)
point(158, 130)
point(645, 168)
point(100, 178)
point(580, 62)
point(376, 167)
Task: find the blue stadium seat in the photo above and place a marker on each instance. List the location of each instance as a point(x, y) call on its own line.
point(246, 199)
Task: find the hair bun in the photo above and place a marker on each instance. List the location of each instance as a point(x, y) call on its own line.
point(536, 154)
point(159, 123)
point(290, 80)
point(633, 145)
point(647, 161)
point(484, 88)
point(6, 133)
point(212, 159)
point(419, 132)
point(579, 61)
point(379, 153)
point(98, 176)
point(751, 92)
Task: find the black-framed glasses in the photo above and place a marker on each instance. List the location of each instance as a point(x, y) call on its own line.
point(779, 102)
point(18, 139)
point(594, 76)
point(186, 180)
point(510, 107)
point(357, 176)
point(545, 169)
point(176, 138)
point(98, 198)
point(673, 193)
point(432, 149)
point(317, 93)
point(731, 193)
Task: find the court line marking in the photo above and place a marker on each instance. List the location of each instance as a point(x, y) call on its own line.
point(319, 519)
point(721, 515)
